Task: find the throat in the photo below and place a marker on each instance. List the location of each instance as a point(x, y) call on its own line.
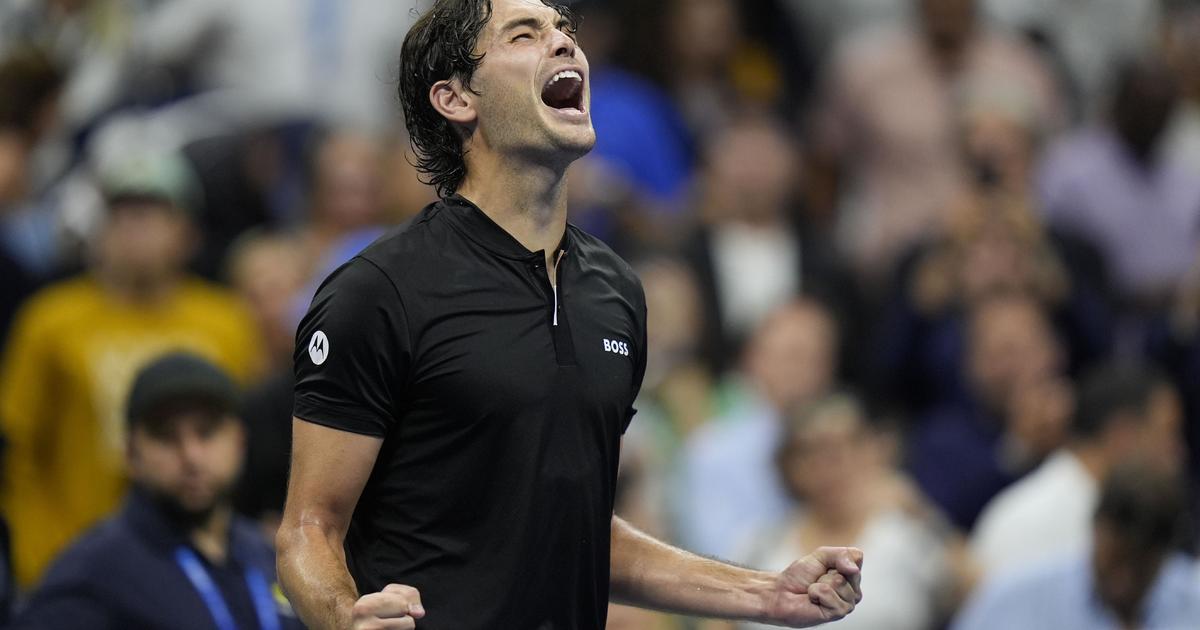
point(528, 204)
point(211, 538)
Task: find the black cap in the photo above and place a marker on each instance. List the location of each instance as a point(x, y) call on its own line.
point(179, 379)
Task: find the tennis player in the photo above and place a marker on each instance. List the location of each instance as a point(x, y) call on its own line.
point(463, 384)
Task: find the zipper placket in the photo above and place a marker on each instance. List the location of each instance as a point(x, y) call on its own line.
point(554, 285)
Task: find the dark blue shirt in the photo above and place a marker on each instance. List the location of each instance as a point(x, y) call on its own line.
point(957, 458)
point(122, 574)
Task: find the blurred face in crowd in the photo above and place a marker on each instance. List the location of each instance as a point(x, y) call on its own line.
point(999, 149)
point(752, 173)
point(349, 182)
point(792, 357)
point(1010, 343)
point(268, 272)
point(673, 308)
point(403, 192)
point(703, 34)
point(947, 23)
point(1124, 571)
point(827, 457)
point(1155, 437)
point(189, 459)
point(530, 94)
point(144, 242)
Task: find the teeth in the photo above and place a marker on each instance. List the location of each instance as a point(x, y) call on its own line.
point(566, 74)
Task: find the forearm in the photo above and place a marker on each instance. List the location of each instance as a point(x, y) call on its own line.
point(313, 574)
point(651, 574)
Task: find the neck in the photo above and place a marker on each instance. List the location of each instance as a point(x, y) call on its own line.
point(845, 516)
point(1093, 459)
point(136, 289)
point(528, 200)
point(211, 537)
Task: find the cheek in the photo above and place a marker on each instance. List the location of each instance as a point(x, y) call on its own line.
point(155, 463)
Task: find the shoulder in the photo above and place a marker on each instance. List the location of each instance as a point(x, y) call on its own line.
point(213, 299)
point(90, 559)
point(1012, 598)
point(597, 257)
point(1037, 494)
point(408, 246)
point(67, 300)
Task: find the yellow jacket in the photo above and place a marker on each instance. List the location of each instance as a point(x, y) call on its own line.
point(70, 360)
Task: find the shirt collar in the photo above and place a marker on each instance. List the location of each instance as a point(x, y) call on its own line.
point(476, 225)
point(151, 525)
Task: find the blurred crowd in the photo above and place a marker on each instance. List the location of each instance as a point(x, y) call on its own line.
point(923, 276)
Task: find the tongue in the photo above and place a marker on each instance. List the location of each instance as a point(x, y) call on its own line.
point(562, 93)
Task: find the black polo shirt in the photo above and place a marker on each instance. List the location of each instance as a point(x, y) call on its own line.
point(501, 404)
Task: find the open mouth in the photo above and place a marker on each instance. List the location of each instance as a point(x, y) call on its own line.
point(564, 91)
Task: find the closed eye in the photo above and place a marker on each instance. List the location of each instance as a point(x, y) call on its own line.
point(521, 36)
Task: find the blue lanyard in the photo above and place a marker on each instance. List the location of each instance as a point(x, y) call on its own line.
point(260, 592)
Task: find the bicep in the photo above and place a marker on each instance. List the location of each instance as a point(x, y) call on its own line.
point(330, 467)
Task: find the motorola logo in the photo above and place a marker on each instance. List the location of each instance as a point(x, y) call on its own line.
point(318, 348)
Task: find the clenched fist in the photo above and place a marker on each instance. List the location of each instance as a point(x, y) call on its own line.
point(396, 607)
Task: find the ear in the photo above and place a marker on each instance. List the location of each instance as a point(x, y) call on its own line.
point(454, 102)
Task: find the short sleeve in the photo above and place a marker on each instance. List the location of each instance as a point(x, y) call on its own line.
point(353, 352)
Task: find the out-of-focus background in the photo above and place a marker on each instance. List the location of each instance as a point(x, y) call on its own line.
point(886, 245)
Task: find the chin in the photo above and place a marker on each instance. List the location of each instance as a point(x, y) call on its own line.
point(575, 142)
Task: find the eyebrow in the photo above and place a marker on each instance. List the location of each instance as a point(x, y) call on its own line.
point(532, 22)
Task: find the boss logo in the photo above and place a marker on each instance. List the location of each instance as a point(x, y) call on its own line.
point(616, 347)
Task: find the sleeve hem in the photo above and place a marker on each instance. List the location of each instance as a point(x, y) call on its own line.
point(343, 419)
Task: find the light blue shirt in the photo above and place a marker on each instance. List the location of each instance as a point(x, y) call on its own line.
point(731, 488)
point(1059, 595)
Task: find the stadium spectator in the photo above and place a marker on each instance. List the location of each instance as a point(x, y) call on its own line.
point(30, 85)
point(1086, 42)
point(1182, 50)
point(640, 135)
point(1175, 344)
point(1123, 414)
point(730, 485)
point(829, 445)
point(174, 556)
point(1129, 576)
point(750, 253)
point(268, 271)
point(272, 61)
point(76, 345)
point(885, 155)
point(1110, 184)
point(1012, 410)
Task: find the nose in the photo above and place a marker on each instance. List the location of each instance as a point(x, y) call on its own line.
point(191, 447)
point(564, 46)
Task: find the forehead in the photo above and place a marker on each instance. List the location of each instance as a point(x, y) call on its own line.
point(505, 11)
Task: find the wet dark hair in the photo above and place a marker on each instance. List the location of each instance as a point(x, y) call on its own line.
point(440, 46)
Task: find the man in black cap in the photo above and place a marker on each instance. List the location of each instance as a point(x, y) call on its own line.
point(175, 556)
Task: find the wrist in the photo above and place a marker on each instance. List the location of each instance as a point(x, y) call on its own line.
point(762, 590)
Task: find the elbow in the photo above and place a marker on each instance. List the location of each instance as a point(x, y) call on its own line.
point(285, 550)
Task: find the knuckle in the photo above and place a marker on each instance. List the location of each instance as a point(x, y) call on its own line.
point(402, 589)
